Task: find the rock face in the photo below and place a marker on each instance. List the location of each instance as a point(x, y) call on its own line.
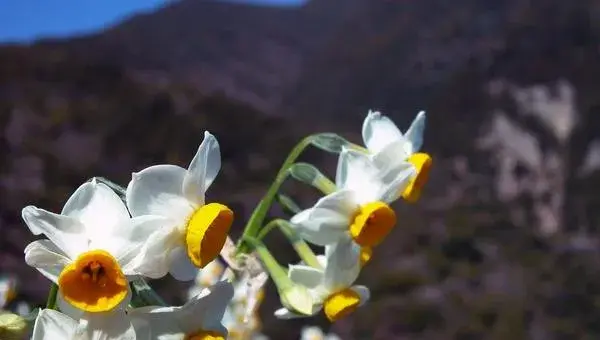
point(504, 244)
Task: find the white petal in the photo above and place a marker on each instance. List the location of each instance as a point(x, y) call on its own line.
point(208, 309)
point(126, 243)
point(358, 173)
point(378, 131)
point(157, 190)
point(65, 232)
point(53, 325)
point(160, 322)
point(109, 326)
point(341, 202)
point(398, 181)
point(285, 314)
point(203, 169)
point(319, 226)
point(343, 265)
point(391, 156)
point(181, 268)
point(153, 259)
point(68, 309)
point(46, 257)
point(363, 292)
point(414, 134)
point(98, 208)
point(305, 275)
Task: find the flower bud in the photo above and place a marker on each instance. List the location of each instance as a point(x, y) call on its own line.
point(297, 298)
point(12, 326)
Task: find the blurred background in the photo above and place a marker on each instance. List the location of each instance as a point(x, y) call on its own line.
point(504, 242)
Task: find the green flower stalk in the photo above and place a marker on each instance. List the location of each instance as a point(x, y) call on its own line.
point(293, 296)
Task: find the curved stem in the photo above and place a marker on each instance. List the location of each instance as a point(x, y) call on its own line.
point(261, 210)
point(51, 301)
point(300, 246)
point(276, 272)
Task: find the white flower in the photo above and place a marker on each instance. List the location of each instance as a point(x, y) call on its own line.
point(53, 325)
point(359, 209)
point(316, 333)
point(388, 146)
point(331, 288)
point(194, 232)
point(92, 247)
point(241, 317)
point(200, 318)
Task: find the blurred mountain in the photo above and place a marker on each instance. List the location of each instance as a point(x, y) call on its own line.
point(505, 244)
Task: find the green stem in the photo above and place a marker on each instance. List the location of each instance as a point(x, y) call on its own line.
point(51, 301)
point(144, 295)
point(300, 246)
point(276, 272)
point(261, 210)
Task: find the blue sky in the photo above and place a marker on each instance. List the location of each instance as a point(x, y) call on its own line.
point(27, 20)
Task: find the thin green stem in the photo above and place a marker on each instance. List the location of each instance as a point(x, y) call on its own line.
point(144, 294)
point(51, 301)
point(121, 191)
point(300, 246)
point(276, 272)
point(261, 210)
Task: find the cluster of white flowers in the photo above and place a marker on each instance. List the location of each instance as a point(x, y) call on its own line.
point(107, 241)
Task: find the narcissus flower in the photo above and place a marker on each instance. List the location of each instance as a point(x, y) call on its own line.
point(92, 247)
point(194, 232)
point(359, 209)
point(54, 325)
point(388, 146)
point(241, 316)
point(331, 288)
point(199, 319)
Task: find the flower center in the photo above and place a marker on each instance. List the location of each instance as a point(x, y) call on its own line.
point(372, 223)
point(365, 255)
point(422, 163)
point(93, 282)
point(341, 304)
point(205, 335)
point(206, 233)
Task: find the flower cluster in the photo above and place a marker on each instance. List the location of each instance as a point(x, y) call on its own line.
point(107, 241)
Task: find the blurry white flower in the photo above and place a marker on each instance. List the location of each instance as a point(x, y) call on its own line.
point(199, 318)
point(194, 232)
point(92, 247)
point(359, 210)
point(388, 147)
point(332, 289)
point(316, 333)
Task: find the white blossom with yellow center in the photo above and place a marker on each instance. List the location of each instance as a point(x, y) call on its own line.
point(199, 319)
point(194, 231)
point(54, 325)
point(332, 288)
point(359, 210)
point(388, 146)
point(92, 247)
point(316, 333)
